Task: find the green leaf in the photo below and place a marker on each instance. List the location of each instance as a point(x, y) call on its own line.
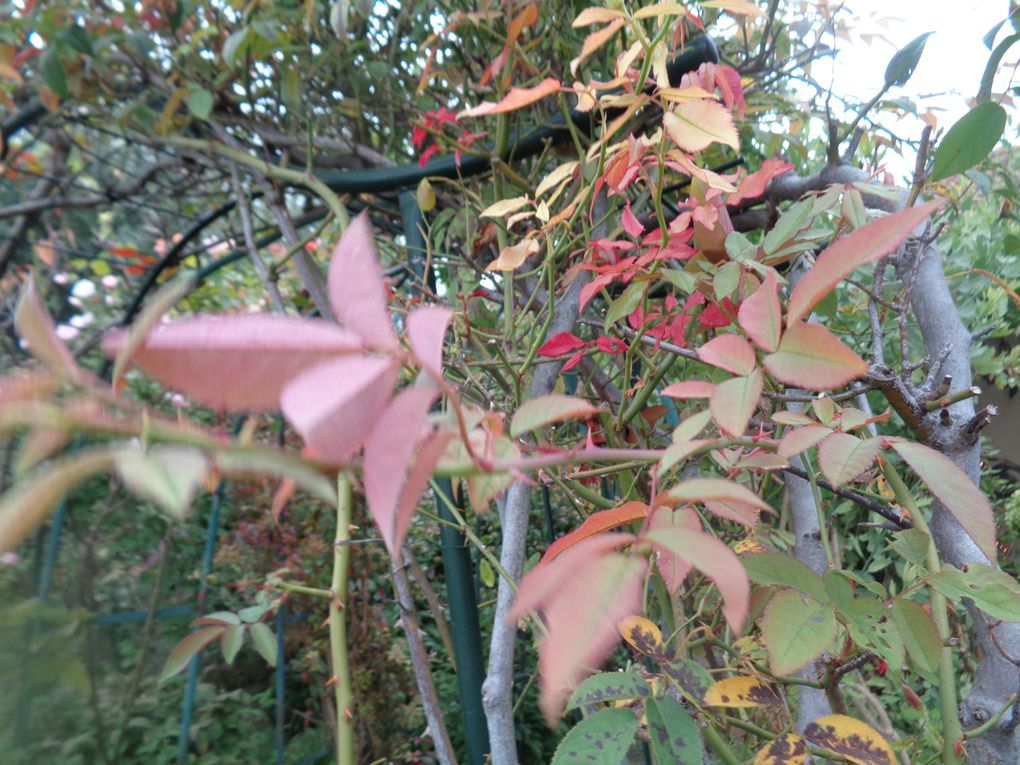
point(919, 634)
point(838, 588)
point(985, 91)
point(265, 642)
point(791, 222)
point(904, 61)
point(248, 461)
point(777, 569)
point(52, 70)
point(546, 410)
point(603, 738)
point(606, 687)
point(672, 733)
point(252, 614)
point(969, 141)
point(200, 103)
point(625, 304)
point(911, 545)
point(872, 626)
point(77, 37)
point(797, 630)
point(994, 592)
point(236, 44)
point(231, 643)
point(682, 280)
point(166, 475)
point(184, 651)
point(486, 573)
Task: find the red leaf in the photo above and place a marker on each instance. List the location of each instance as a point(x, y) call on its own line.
point(560, 344)
point(760, 315)
point(730, 352)
point(955, 490)
point(728, 80)
point(237, 362)
point(838, 261)
point(356, 289)
point(596, 523)
point(716, 317)
point(754, 185)
point(611, 345)
point(573, 361)
point(517, 98)
point(630, 222)
point(388, 452)
point(426, 328)
point(333, 405)
point(689, 389)
point(716, 561)
point(734, 401)
point(585, 593)
point(811, 357)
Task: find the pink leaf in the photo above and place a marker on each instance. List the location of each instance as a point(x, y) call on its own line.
point(560, 344)
point(35, 326)
point(843, 457)
point(237, 362)
point(728, 80)
point(517, 98)
point(868, 243)
point(801, 439)
point(388, 452)
point(546, 410)
point(716, 561)
point(734, 401)
point(673, 568)
point(689, 389)
point(737, 512)
point(716, 316)
point(593, 590)
point(333, 405)
point(730, 352)
point(356, 289)
point(630, 223)
point(955, 490)
point(811, 357)
point(703, 489)
point(426, 328)
point(760, 315)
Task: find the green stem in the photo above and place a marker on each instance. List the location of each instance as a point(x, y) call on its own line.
point(338, 626)
point(301, 589)
point(720, 747)
point(952, 731)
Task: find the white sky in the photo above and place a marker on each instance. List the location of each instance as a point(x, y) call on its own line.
point(950, 70)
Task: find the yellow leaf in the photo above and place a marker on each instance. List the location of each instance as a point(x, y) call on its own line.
point(512, 257)
point(597, 16)
point(740, 692)
point(661, 9)
point(504, 207)
point(694, 125)
point(426, 196)
point(643, 635)
point(788, 749)
point(593, 42)
point(562, 172)
point(852, 739)
point(738, 7)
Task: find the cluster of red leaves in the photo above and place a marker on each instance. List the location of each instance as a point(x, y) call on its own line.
point(434, 119)
point(564, 343)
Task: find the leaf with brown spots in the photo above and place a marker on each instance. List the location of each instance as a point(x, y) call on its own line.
point(607, 687)
point(690, 677)
point(604, 737)
point(672, 733)
point(788, 749)
point(739, 692)
point(852, 739)
point(643, 635)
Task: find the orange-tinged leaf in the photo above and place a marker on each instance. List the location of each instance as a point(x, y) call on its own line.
point(955, 490)
point(811, 357)
point(843, 457)
point(185, 651)
point(594, 41)
point(517, 98)
point(740, 692)
point(597, 16)
point(547, 410)
point(858, 742)
point(701, 489)
point(583, 594)
point(242, 362)
point(730, 352)
point(736, 7)
point(526, 18)
point(868, 243)
point(35, 326)
point(788, 749)
point(695, 125)
point(689, 389)
point(734, 401)
point(356, 291)
point(24, 507)
point(801, 439)
point(661, 9)
point(760, 315)
point(643, 635)
point(513, 256)
point(716, 561)
point(597, 523)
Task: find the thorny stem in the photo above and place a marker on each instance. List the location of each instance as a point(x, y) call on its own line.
point(338, 626)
